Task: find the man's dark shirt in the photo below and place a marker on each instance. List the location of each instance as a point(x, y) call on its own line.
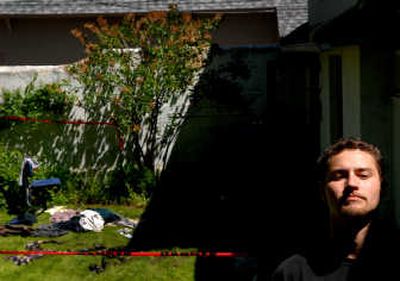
point(378, 260)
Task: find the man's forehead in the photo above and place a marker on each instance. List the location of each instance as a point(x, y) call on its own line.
point(354, 159)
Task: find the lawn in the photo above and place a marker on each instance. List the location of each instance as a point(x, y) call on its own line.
point(80, 267)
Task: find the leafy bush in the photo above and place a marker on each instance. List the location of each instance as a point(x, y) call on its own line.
point(49, 99)
point(136, 71)
point(45, 101)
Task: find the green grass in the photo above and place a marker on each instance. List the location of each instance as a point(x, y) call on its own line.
point(70, 268)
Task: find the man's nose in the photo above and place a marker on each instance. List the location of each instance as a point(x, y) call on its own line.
point(353, 181)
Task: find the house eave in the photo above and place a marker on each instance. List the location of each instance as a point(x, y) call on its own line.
point(307, 47)
point(119, 14)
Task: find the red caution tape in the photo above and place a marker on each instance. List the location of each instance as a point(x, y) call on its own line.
point(74, 122)
point(123, 253)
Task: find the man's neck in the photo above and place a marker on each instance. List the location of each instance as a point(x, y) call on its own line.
point(359, 240)
point(351, 235)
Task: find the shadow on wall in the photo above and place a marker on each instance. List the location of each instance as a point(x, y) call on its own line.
point(212, 166)
point(210, 194)
point(238, 178)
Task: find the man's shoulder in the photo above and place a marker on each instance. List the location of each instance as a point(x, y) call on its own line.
point(293, 261)
point(294, 265)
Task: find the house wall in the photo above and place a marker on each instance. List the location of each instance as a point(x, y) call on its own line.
point(76, 147)
point(39, 41)
point(321, 11)
point(43, 46)
point(376, 89)
point(379, 114)
point(48, 41)
point(242, 101)
point(248, 29)
point(17, 77)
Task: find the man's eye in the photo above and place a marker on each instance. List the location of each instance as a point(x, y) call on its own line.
point(336, 175)
point(364, 175)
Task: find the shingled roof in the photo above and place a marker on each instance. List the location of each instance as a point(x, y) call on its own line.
point(291, 13)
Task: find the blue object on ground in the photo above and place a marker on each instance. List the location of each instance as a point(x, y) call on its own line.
point(25, 219)
point(45, 182)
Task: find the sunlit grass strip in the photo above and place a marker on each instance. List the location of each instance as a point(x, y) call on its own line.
point(125, 253)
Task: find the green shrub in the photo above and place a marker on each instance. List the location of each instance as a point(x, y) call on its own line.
point(45, 101)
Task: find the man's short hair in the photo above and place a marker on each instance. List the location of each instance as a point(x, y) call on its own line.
point(343, 144)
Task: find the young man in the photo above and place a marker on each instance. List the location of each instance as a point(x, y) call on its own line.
point(358, 245)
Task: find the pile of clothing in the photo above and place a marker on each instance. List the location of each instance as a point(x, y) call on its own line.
point(93, 219)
